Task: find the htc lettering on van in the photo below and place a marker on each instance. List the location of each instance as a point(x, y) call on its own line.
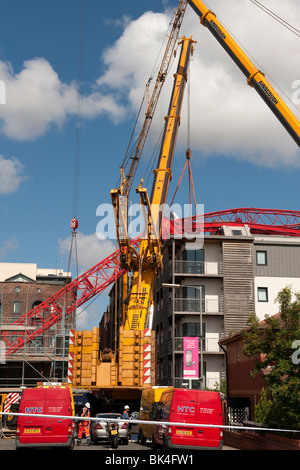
point(40, 431)
point(186, 409)
point(34, 410)
point(189, 407)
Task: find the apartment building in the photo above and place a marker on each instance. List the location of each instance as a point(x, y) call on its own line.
point(209, 292)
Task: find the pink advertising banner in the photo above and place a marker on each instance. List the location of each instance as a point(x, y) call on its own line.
point(190, 358)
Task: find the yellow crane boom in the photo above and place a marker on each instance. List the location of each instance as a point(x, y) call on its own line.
point(136, 335)
point(255, 77)
point(151, 105)
point(149, 258)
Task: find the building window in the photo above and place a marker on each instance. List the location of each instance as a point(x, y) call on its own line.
point(17, 307)
point(261, 258)
point(193, 261)
point(194, 329)
point(262, 294)
point(193, 296)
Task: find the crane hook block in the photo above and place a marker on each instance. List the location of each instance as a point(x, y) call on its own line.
point(74, 224)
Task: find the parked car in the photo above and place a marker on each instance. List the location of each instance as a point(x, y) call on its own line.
point(98, 429)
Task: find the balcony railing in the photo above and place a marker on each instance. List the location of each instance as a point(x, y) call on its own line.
point(214, 305)
point(206, 382)
point(209, 344)
point(199, 267)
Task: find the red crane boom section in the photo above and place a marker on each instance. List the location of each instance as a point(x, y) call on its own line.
point(74, 294)
point(102, 275)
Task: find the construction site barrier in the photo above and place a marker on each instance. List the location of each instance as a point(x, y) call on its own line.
point(166, 423)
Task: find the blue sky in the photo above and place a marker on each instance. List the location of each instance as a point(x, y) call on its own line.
point(241, 156)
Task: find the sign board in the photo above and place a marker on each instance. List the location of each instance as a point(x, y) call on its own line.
point(190, 357)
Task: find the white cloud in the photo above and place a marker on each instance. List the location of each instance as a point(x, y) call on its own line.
point(130, 59)
point(227, 116)
point(90, 249)
point(11, 175)
point(88, 316)
point(36, 100)
point(8, 246)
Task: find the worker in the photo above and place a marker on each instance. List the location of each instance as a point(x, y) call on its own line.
point(84, 425)
point(126, 412)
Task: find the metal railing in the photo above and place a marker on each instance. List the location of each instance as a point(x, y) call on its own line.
point(209, 344)
point(198, 384)
point(193, 305)
point(198, 267)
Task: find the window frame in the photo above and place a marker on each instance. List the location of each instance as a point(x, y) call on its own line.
point(266, 257)
point(260, 290)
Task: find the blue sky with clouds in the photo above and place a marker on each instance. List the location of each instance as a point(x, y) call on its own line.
point(241, 155)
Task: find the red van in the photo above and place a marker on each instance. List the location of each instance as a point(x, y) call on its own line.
point(193, 407)
point(41, 431)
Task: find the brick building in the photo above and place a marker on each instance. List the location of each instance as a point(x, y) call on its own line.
point(23, 286)
point(243, 390)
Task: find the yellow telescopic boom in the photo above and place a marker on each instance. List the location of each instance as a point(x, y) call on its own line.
point(255, 77)
point(149, 259)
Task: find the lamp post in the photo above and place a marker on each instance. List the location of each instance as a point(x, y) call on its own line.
point(165, 284)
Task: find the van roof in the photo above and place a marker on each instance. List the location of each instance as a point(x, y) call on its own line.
point(203, 395)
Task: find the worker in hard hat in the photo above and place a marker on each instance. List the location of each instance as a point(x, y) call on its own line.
point(84, 425)
point(126, 412)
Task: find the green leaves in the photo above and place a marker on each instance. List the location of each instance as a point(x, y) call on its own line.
point(273, 343)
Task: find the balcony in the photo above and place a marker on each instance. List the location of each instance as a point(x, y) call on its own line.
point(206, 268)
point(206, 382)
point(212, 305)
point(209, 344)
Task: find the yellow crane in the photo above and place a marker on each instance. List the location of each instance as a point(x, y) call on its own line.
point(145, 261)
point(133, 364)
point(136, 337)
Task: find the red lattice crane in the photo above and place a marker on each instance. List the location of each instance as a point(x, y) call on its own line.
point(103, 274)
point(260, 221)
point(51, 310)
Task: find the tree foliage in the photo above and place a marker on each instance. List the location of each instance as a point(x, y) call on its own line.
point(276, 343)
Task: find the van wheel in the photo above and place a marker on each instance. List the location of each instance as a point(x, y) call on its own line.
point(11, 422)
point(71, 447)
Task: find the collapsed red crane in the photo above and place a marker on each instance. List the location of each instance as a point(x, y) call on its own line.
point(98, 278)
point(51, 310)
point(260, 221)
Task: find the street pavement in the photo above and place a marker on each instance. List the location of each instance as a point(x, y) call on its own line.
point(9, 444)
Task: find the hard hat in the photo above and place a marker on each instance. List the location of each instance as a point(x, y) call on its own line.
point(126, 407)
point(87, 405)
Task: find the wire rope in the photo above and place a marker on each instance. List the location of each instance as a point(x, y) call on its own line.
point(79, 109)
point(276, 17)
